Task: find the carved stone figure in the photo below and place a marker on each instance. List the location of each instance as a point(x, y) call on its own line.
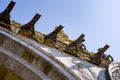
point(76, 45)
point(30, 25)
point(97, 57)
point(52, 37)
point(5, 16)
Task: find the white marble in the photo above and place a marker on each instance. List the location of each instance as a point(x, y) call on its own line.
point(79, 67)
point(82, 69)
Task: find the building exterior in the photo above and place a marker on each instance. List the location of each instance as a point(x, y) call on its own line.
point(26, 54)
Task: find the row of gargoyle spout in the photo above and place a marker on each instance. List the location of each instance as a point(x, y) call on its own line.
point(73, 47)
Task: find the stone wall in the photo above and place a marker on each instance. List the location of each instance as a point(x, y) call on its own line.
point(24, 61)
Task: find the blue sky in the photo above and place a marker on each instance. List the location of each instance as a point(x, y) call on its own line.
point(99, 20)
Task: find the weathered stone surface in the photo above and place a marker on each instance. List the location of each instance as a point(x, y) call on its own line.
point(28, 58)
point(5, 16)
point(30, 25)
point(97, 58)
point(6, 74)
point(52, 37)
point(75, 47)
point(39, 37)
point(113, 71)
point(25, 59)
